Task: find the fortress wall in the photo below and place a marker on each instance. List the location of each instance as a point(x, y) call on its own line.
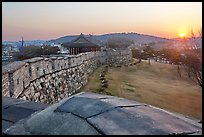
point(49, 80)
point(5, 83)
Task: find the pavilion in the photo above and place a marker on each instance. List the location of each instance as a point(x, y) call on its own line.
point(82, 44)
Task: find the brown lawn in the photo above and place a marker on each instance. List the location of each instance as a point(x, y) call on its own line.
point(156, 84)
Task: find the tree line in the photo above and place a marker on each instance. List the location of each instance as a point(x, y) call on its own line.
point(35, 51)
point(188, 59)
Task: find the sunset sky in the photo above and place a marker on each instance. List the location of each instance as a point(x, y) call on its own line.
point(45, 21)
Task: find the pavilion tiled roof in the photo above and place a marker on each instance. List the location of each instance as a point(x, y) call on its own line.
point(82, 41)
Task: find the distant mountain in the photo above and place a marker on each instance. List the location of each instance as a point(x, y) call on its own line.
point(135, 37)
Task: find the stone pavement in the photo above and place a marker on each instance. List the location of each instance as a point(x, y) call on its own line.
point(95, 114)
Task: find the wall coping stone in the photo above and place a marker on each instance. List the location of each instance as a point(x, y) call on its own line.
point(32, 60)
point(10, 68)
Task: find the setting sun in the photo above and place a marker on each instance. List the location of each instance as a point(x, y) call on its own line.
point(181, 35)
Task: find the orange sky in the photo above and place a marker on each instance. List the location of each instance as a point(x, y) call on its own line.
point(34, 20)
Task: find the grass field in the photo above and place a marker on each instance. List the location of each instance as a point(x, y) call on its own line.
point(156, 84)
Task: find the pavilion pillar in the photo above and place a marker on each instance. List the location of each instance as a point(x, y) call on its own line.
point(75, 51)
point(72, 51)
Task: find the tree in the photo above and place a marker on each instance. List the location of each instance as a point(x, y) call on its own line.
point(173, 56)
point(35, 51)
point(136, 53)
point(119, 42)
point(148, 53)
point(193, 67)
point(157, 53)
point(48, 50)
point(192, 60)
point(164, 53)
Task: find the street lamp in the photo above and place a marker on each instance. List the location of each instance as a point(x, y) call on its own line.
point(43, 50)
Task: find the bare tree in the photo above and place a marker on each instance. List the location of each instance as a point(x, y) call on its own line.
point(35, 51)
point(173, 56)
point(148, 52)
point(136, 53)
point(193, 60)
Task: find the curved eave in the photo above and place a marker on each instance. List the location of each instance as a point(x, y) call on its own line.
point(79, 45)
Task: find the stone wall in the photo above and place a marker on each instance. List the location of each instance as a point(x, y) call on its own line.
point(49, 80)
point(5, 84)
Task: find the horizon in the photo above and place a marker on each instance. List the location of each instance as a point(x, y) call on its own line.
point(95, 35)
point(41, 22)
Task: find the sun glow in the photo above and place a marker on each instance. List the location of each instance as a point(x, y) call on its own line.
point(182, 35)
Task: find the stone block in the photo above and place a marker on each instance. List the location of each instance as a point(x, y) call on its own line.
point(6, 124)
point(84, 107)
point(14, 113)
point(162, 120)
point(120, 122)
point(7, 101)
point(32, 105)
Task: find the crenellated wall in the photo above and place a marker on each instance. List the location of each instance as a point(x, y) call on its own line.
point(49, 80)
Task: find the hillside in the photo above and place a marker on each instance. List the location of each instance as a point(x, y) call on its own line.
point(156, 84)
point(137, 38)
